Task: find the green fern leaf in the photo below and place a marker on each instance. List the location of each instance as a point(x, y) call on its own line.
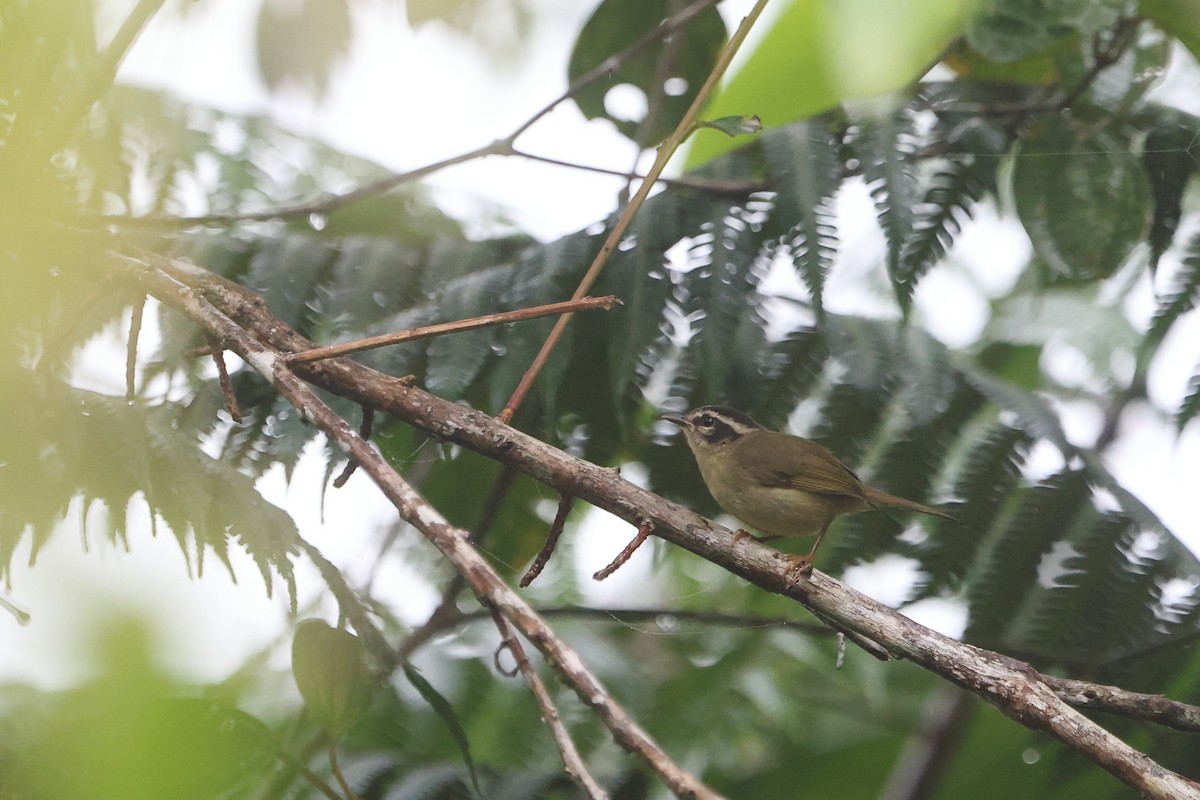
point(724, 282)
point(949, 200)
point(1170, 156)
point(1191, 404)
point(1183, 297)
point(806, 172)
point(989, 475)
point(1005, 568)
point(886, 148)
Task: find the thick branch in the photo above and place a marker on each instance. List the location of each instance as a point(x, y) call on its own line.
point(1012, 686)
point(182, 286)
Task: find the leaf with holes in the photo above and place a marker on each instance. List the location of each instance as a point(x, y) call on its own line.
point(1084, 202)
point(668, 72)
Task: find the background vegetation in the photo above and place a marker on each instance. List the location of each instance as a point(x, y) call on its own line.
point(1041, 109)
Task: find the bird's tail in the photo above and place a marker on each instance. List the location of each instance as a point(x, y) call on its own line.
point(877, 498)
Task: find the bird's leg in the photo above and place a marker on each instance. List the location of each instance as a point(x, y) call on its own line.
point(802, 566)
point(741, 534)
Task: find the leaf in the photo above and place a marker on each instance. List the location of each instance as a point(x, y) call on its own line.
point(887, 148)
point(723, 282)
point(949, 200)
point(1176, 17)
point(300, 43)
point(811, 60)
point(806, 169)
point(1084, 202)
point(1016, 29)
point(456, 359)
point(737, 125)
point(446, 711)
point(1183, 297)
point(669, 73)
point(1190, 407)
point(331, 672)
point(1170, 157)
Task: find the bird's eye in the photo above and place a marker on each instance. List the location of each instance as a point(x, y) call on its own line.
point(707, 421)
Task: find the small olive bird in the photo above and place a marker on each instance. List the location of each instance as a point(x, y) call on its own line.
point(781, 484)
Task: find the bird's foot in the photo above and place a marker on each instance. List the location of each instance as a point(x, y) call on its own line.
point(741, 534)
point(799, 568)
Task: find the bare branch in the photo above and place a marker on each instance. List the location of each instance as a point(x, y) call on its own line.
point(218, 357)
point(556, 529)
point(500, 147)
point(1010, 685)
point(364, 433)
point(131, 346)
point(645, 528)
point(605, 303)
point(1114, 700)
point(572, 761)
point(167, 279)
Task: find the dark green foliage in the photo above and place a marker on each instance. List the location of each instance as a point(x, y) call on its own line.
point(1170, 156)
point(886, 145)
point(1051, 558)
point(1084, 200)
point(1191, 404)
point(806, 166)
point(687, 61)
point(1182, 298)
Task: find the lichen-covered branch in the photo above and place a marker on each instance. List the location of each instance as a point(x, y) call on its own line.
point(1014, 687)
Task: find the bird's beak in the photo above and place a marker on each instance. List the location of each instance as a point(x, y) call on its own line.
point(675, 420)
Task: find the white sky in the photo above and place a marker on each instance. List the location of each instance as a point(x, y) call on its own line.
point(406, 99)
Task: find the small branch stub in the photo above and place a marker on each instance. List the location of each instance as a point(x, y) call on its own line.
point(556, 529)
point(645, 528)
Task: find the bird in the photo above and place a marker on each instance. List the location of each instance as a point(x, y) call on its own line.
point(783, 485)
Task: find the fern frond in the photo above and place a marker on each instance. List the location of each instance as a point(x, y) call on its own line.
point(725, 283)
point(1183, 297)
point(1005, 568)
point(989, 475)
point(1190, 408)
point(947, 203)
point(805, 170)
point(886, 148)
point(1170, 156)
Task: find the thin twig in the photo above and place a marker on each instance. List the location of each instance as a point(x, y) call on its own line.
point(364, 432)
point(645, 528)
point(458, 326)
point(665, 151)
point(734, 187)
point(231, 403)
point(572, 761)
point(131, 346)
point(336, 769)
point(556, 529)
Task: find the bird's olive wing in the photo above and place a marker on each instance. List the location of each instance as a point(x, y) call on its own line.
point(790, 462)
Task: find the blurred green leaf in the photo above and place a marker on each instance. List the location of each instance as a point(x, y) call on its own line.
point(1179, 18)
point(668, 77)
point(819, 54)
point(1084, 200)
point(331, 672)
point(446, 711)
point(300, 42)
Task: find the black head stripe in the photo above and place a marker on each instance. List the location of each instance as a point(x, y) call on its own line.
point(719, 424)
point(731, 414)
